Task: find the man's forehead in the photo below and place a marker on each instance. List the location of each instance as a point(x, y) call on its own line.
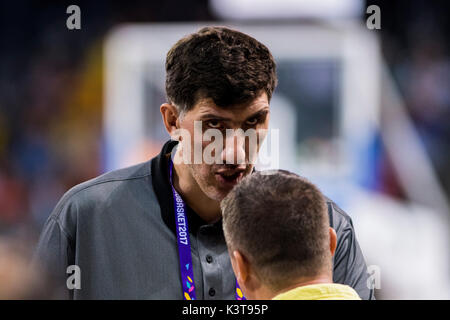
point(206, 106)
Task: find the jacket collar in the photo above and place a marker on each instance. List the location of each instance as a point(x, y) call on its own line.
point(162, 187)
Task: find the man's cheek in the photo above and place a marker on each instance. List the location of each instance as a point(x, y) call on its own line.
point(203, 173)
point(252, 150)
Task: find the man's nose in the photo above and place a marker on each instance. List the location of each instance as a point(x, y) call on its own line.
point(234, 150)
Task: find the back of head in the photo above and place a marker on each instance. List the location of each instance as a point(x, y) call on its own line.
point(280, 223)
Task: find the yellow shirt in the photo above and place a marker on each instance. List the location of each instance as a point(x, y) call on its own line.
point(322, 291)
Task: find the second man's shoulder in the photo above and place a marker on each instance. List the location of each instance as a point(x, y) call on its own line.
point(107, 188)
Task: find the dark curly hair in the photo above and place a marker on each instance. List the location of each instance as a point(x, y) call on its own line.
point(225, 65)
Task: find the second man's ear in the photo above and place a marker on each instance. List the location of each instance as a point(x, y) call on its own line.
point(240, 267)
point(333, 241)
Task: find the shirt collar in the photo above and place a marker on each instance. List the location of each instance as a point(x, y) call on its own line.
point(321, 291)
point(163, 191)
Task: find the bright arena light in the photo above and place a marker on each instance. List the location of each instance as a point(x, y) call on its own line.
point(287, 9)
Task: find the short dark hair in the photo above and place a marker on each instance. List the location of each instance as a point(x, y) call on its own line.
point(225, 65)
point(280, 222)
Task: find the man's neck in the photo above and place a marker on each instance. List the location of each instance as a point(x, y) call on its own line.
point(206, 208)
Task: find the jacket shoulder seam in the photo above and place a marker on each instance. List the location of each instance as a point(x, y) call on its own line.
point(63, 230)
point(74, 191)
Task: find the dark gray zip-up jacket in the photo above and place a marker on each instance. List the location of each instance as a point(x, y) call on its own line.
point(119, 229)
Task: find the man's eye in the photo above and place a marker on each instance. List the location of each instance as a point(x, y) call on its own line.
point(252, 122)
point(214, 124)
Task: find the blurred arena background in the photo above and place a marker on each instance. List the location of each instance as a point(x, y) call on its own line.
point(363, 113)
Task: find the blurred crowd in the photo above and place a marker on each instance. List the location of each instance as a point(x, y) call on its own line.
point(51, 93)
point(51, 99)
point(415, 44)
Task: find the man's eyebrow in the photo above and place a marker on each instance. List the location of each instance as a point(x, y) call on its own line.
point(213, 116)
point(259, 113)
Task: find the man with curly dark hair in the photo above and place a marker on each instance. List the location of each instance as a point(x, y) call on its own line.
point(154, 230)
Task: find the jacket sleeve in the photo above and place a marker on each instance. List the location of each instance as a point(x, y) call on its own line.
point(348, 261)
point(54, 253)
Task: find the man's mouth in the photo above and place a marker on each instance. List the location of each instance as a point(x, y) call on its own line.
point(230, 177)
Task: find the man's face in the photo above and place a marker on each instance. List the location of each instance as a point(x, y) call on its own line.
point(236, 153)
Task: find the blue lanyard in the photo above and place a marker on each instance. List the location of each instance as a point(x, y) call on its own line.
point(184, 246)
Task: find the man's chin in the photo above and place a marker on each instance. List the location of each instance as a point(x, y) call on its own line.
point(218, 193)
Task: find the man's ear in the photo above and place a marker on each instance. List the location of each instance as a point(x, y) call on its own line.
point(240, 267)
point(170, 118)
point(333, 241)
